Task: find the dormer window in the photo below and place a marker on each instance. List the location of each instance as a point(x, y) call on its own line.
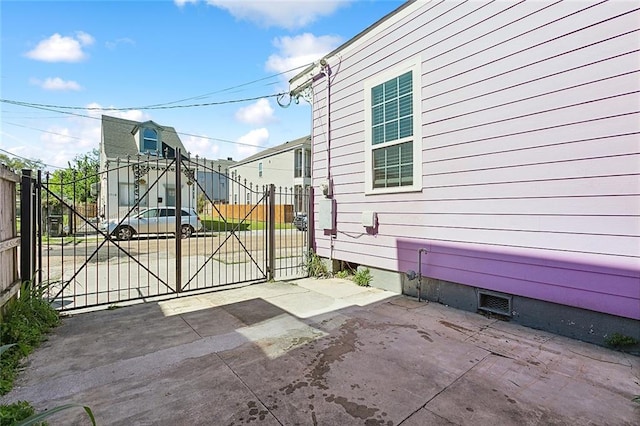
point(149, 141)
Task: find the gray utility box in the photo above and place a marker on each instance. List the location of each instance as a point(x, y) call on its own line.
point(54, 225)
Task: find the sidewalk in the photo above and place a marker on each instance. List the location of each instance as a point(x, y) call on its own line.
point(323, 352)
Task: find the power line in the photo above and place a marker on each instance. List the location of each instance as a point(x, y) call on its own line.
point(233, 101)
point(29, 159)
point(43, 131)
point(107, 118)
point(230, 88)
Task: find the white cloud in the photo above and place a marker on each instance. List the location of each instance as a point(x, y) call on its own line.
point(61, 49)
point(250, 143)
point(257, 114)
point(84, 38)
point(56, 83)
point(203, 147)
point(81, 134)
point(285, 13)
point(181, 3)
point(112, 45)
point(294, 52)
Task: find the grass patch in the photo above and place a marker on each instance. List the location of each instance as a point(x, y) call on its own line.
point(25, 324)
point(11, 414)
point(219, 225)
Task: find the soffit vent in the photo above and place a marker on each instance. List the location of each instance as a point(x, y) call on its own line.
point(494, 302)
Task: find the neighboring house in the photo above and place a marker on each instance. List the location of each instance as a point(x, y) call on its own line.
point(502, 138)
point(133, 158)
point(287, 166)
point(213, 180)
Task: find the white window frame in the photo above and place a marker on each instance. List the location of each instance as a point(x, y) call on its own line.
point(415, 66)
point(126, 196)
point(157, 149)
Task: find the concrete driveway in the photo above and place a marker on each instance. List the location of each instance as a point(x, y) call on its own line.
point(322, 352)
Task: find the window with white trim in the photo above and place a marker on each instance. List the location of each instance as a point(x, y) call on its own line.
point(149, 141)
point(393, 132)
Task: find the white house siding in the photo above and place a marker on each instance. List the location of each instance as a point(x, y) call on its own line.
point(530, 157)
point(156, 181)
point(277, 169)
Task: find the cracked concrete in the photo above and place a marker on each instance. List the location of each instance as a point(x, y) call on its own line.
point(321, 352)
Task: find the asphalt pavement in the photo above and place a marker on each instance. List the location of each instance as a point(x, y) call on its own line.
point(321, 352)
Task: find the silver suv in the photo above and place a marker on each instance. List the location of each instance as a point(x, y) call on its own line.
point(157, 220)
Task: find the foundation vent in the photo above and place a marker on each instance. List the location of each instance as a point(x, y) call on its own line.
point(494, 302)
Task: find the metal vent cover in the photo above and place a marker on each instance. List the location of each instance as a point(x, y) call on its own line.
point(494, 302)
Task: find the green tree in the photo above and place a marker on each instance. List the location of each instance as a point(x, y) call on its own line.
point(16, 164)
point(75, 182)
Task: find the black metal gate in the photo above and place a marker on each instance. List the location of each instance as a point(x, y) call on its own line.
point(103, 237)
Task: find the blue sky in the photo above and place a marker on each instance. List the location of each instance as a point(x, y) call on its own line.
point(131, 54)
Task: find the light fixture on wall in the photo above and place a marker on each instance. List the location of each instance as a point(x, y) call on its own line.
point(141, 181)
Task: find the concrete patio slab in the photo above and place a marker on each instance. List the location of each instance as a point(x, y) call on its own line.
point(321, 352)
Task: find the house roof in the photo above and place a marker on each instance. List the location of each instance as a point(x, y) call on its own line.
point(287, 146)
point(118, 136)
point(314, 68)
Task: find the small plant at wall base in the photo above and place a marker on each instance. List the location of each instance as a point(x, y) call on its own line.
point(619, 341)
point(315, 266)
point(342, 274)
point(363, 277)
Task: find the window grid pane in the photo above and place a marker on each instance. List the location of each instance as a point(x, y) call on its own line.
point(393, 166)
point(392, 109)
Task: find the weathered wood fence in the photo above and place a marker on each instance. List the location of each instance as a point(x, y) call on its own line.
point(9, 239)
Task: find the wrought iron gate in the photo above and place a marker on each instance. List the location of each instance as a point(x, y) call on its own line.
point(122, 246)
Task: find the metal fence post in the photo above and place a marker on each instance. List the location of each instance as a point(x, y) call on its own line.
point(38, 218)
point(26, 227)
point(271, 229)
point(310, 220)
point(178, 220)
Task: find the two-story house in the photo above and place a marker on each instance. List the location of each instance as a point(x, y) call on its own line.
point(136, 167)
point(287, 166)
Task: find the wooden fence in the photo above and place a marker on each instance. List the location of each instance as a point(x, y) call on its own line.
point(284, 212)
point(9, 239)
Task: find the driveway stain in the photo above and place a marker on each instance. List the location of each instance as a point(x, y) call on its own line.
point(455, 327)
point(426, 336)
point(339, 346)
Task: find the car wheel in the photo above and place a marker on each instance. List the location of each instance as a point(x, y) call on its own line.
point(124, 233)
point(186, 231)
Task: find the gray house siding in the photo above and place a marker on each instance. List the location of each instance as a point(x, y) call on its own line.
point(529, 150)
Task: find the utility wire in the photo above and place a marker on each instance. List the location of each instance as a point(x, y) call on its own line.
point(43, 131)
point(108, 118)
point(233, 101)
point(229, 88)
point(29, 159)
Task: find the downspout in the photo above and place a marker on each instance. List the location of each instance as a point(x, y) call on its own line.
point(327, 72)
